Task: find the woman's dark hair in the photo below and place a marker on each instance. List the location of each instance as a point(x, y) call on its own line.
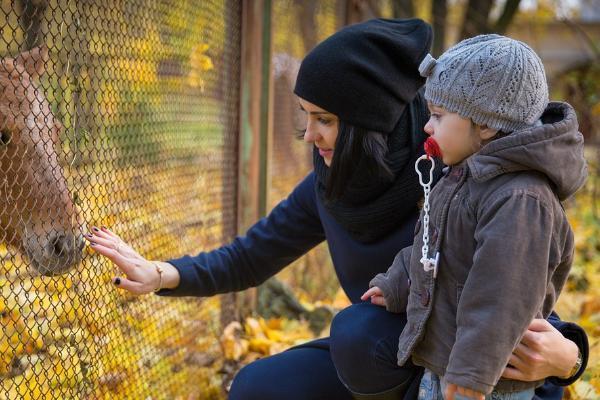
point(354, 144)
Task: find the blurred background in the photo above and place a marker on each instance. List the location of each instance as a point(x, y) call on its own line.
point(174, 123)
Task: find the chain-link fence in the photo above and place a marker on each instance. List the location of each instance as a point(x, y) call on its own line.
point(126, 115)
point(297, 28)
point(122, 114)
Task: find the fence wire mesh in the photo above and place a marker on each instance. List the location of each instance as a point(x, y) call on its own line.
point(120, 114)
point(297, 28)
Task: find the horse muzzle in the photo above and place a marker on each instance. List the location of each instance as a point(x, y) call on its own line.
point(55, 254)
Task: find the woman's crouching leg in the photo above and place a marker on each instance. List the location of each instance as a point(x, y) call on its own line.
point(364, 345)
point(302, 372)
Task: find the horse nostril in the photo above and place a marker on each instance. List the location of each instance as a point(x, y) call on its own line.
point(64, 245)
point(58, 245)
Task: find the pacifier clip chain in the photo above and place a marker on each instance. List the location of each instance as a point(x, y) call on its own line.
point(429, 264)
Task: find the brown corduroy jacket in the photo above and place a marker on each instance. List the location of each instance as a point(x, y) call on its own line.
point(505, 250)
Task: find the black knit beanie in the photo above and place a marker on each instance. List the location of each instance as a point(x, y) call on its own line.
point(366, 73)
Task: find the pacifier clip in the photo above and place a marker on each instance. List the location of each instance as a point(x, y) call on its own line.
point(432, 150)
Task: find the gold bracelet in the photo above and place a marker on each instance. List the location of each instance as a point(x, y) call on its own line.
point(577, 365)
point(159, 269)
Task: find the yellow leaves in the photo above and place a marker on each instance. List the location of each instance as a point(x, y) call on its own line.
point(234, 346)
point(596, 110)
point(199, 63)
point(579, 301)
point(583, 390)
point(340, 300)
point(136, 71)
point(258, 337)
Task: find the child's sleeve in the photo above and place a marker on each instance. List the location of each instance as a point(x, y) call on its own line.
point(395, 282)
point(513, 268)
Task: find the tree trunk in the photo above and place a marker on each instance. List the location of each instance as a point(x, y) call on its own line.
point(307, 12)
point(361, 10)
point(508, 13)
point(32, 12)
point(476, 18)
point(439, 9)
point(403, 9)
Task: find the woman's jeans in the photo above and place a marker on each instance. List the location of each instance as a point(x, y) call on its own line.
point(432, 387)
point(360, 355)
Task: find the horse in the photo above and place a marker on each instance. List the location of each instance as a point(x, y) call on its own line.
point(37, 214)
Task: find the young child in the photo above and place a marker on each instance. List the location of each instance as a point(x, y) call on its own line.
point(500, 246)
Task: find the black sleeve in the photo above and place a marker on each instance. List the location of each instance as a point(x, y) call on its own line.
point(577, 335)
point(291, 229)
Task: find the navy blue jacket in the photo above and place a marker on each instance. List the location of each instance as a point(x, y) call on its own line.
point(293, 227)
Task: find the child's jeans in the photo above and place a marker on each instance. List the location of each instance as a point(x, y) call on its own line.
point(431, 389)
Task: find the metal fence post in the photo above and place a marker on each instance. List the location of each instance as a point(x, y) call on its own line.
point(255, 124)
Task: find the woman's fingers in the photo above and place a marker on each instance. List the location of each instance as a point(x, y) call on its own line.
point(99, 233)
point(540, 325)
point(528, 355)
point(138, 274)
point(129, 285)
point(107, 232)
point(514, 374)
point(119, 260)
point(111, 244)
point(537, 333)
point(523, 363)
point(114, 242)
point(515, 361)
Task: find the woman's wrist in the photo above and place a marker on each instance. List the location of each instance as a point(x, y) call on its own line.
point(571, 363)
point(170, 275)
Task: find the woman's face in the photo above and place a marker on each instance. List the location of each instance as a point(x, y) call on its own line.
point(321, 129)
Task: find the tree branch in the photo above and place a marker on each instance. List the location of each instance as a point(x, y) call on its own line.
point(439, 9)
point(508, 13)
point(403, 9)
point(476, 18)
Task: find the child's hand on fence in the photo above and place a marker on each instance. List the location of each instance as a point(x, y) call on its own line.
point(376, 296)
point(452, 388)
point(142, 276)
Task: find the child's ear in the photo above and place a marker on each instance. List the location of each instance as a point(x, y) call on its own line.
point(486, 133)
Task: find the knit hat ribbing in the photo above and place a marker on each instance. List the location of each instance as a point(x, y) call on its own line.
point(491, 79)
point(366, 73)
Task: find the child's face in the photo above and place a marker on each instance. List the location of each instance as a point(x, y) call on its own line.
point(457, 137)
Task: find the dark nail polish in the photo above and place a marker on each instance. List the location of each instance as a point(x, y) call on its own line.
point(117, 281)
point(88, 235)
point(96, 229)
point(92, 243)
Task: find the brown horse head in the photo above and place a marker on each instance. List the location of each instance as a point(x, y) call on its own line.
point(37, 214)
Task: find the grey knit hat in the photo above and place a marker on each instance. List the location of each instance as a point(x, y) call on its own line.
point(491, 79)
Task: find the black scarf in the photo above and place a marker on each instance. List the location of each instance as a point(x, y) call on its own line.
point(372, 207)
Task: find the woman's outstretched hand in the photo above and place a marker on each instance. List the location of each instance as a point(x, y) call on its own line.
point(542, 352)
point(141, 275)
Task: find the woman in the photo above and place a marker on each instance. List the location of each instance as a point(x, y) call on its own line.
point(365, 118)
